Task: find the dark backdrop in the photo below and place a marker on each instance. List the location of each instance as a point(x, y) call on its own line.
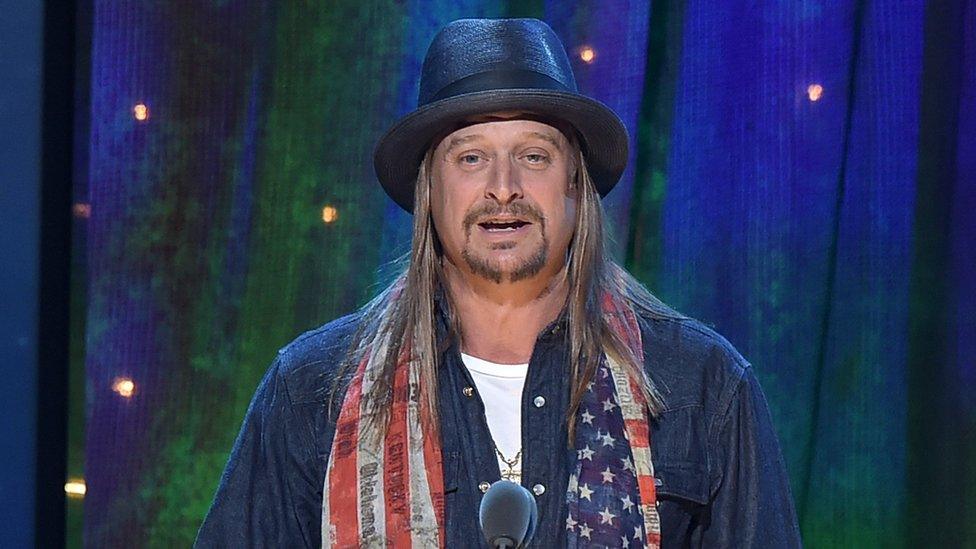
point(20, 177)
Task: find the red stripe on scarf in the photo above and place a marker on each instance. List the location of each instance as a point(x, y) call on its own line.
point(344, 475)
point(623, 322)
point(638, 430)
point(635, 435)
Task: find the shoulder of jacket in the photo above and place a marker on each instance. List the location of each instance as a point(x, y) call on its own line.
point(309, 363)
point(691, 364)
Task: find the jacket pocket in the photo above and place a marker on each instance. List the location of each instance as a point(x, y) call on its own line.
point(683, 482)
point(682, 502)
point(451, 471)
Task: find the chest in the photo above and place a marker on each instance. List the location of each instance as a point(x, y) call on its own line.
point(470, 459)
point(471, 465)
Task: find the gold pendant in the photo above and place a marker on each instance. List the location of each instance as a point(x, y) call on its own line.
point(509, 472)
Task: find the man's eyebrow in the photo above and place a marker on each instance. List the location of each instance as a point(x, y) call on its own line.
point(545, 137)
point(455, 141)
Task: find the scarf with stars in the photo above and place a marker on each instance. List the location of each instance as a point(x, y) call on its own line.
point(387, 489)
point(611, 495)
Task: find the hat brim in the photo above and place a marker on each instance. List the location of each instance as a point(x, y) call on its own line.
point(603, 137)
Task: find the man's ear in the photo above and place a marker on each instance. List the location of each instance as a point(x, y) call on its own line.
point(572, 189)
point(574, 178)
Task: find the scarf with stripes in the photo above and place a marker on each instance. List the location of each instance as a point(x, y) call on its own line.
point(387, 489)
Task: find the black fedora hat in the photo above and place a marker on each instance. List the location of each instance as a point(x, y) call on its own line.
point(481, 66)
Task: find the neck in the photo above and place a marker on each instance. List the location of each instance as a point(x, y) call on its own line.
point(500, 321)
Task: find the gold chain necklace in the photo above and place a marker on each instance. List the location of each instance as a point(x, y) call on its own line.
point(510, 473)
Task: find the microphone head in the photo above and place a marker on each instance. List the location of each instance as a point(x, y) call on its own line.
point(508, 515)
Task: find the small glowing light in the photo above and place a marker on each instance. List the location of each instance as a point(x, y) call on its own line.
point(330, 214)
point(81, 210)
point(124, 386)
point(75, 488)
point(587, 54)
point(815, 92)
point(141, 112)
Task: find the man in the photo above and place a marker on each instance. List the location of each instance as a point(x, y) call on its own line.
point(511, 347)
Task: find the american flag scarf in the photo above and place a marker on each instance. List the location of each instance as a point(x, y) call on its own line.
point(387, 489)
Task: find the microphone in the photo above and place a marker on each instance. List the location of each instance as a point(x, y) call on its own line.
point(508, 515)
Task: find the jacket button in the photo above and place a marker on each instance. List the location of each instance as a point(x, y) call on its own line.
point(468, 391)
point(484, 486)
point(539, 489)
point(539, 401)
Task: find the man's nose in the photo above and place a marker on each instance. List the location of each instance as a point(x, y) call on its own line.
point(504, 185)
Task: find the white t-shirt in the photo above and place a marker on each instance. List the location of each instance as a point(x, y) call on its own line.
point(500, 388)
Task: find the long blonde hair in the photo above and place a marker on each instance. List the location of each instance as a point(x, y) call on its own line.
point(405, 312)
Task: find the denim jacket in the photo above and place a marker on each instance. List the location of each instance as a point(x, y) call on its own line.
point(719, 473)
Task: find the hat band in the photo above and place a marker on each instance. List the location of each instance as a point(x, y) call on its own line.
point(499, 80)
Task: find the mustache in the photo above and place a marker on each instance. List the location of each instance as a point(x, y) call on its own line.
point(521, 210)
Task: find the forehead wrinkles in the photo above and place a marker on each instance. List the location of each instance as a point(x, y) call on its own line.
point(461, 140)
point(551, 135)
point(549, 138)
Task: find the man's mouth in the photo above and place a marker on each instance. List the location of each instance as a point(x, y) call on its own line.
point(503, 225)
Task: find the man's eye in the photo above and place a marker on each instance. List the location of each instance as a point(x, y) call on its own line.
point(470, 159)
point(536, 158)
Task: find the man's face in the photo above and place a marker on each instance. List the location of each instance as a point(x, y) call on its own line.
point(502, 199)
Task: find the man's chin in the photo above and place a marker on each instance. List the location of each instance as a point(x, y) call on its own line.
point(506, 269)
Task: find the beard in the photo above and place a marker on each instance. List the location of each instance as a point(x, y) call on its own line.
point(493, 270)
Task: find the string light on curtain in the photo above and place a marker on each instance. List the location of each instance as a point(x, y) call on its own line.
point(330, 214)
point(140, 112)
point(124, 386)
point(815, 92)
point(75, 488)
point(587, 54)
point(81, 210)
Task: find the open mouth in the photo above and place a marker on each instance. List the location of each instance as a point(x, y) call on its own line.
point(503, 226)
